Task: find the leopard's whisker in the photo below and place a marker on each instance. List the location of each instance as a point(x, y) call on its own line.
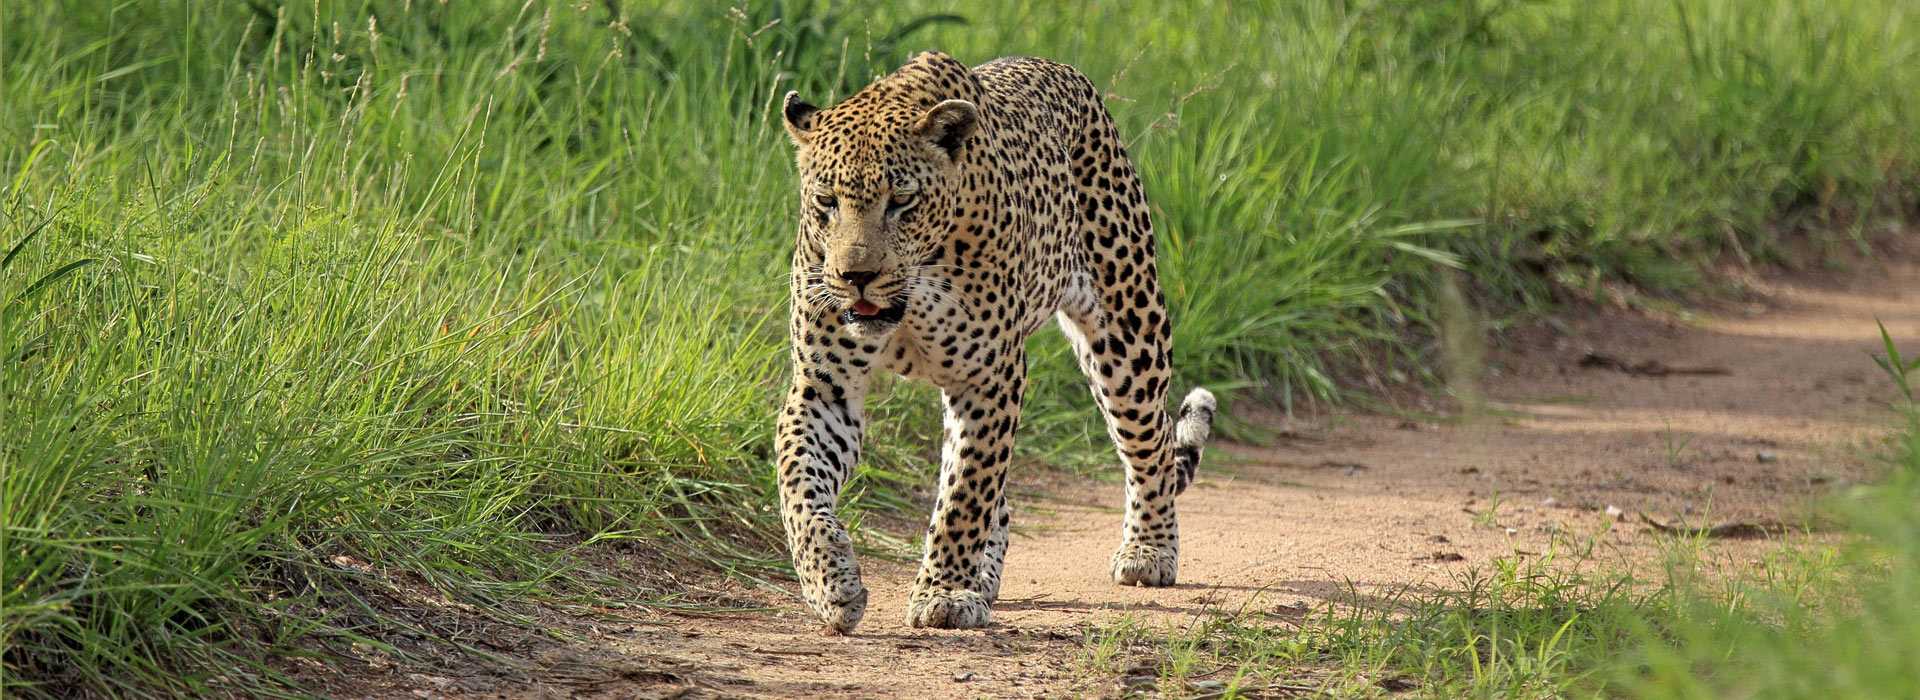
point(917, 269)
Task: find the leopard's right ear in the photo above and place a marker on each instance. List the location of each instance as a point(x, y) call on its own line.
point(949, 124)
point(798, 116)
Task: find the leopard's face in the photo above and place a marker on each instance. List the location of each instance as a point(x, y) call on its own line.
point(879, 181)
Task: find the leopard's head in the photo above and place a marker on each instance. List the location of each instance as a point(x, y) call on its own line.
point(881, 181)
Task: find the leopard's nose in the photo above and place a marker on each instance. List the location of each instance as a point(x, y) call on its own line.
point(858, 278)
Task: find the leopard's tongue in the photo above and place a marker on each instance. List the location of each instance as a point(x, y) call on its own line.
point(865, 308)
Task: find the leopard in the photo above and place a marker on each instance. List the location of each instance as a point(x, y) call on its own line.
point(946, 213)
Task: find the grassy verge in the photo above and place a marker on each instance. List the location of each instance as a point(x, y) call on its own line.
point(447, 287)
point(1811, 621)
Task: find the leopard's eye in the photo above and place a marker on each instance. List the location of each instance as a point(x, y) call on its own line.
point(826, 201)
point(901, 202)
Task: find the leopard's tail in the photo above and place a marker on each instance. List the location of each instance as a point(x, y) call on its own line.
point(1190, 435)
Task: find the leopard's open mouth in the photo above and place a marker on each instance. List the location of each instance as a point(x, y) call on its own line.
point(871, 315)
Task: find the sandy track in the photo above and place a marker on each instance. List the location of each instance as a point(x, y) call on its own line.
point(1374, 501)
point(1383, 502)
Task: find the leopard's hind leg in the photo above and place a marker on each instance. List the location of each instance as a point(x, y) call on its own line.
point(1128, 374)
point(1122, 337)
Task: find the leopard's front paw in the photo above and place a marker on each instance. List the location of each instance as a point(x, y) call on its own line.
point(842, 610)
point(830, 576)
point(947, 609)
point(1145, 565)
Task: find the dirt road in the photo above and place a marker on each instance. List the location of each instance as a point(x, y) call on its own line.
point(1738, 416)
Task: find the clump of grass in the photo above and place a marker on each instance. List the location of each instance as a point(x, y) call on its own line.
point(1901, 370)
point(442, 287)
point(1489, 517)
point(1673, 447)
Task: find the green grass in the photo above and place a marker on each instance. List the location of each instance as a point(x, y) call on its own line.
point(452, 287)
point(1812, 620)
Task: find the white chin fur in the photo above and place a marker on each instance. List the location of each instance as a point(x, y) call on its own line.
point(871, 330)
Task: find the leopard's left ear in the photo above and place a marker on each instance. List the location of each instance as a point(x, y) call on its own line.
point(797, 115)
point(948, 125)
